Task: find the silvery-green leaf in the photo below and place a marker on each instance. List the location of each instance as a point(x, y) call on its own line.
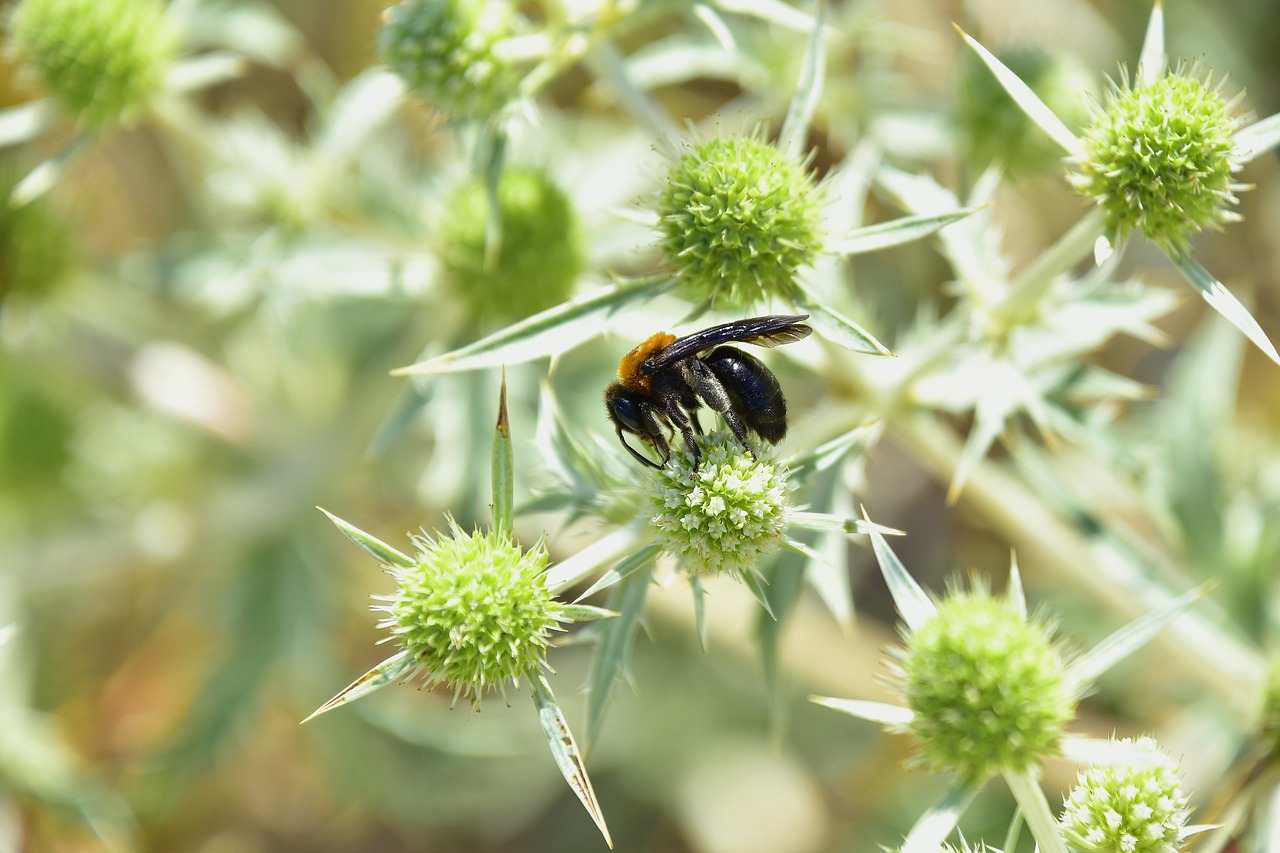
point(1151, 59)
point(838, 328)
point(872, 238)
point(804, 102)
point(1015, 594)
point(939, 820)
point(574, 570)
point(830, 581)
point(205, 70)
point(774, 12)
point(1258, 138)
point(503, 469)
point(390, 670)
point(550, 332)
point(1026, 99)
point(42, 178)
point(756, 584)
point(831, 523)
point(913, 603)
point(857, 440)
point(1042, 822)
point(1004, 391)
point(585, 613)
point(361, 109)
point(1222, 300)
point(25, 122)
point(716, 26)
point(374, 547)
point(1085, 670)
point(877, 712)
point(613, 647)
point(565, 752)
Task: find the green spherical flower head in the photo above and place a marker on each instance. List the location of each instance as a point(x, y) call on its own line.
point(444, 50)
point(986, 686)
point(1159, 158)
point(473, 611)
point(723, 515)
point(1138, 808)
point(539, 253)
point(100, 59)
point(738, 219)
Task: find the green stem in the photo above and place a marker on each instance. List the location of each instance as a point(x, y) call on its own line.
point(1025, 788)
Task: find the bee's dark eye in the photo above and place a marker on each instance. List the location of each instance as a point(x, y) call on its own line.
point(627, 413)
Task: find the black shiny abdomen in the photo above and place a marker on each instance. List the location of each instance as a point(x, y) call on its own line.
point(756, 394)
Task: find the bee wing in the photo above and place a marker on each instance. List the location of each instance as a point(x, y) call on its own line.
point(771, 331)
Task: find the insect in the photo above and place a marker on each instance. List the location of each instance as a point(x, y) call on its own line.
point(663, 382)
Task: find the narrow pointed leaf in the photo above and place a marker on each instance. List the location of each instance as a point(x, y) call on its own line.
point(913, 603)
point(1128, 639)
point(939, 821)
point(1015, 594)
point(699, 610)
point(624, 569)
point(577, 568)
point(551, 332)
point(719, 30)
point(804, 103)
point(1036, 811)
point(877, 712)
point(503, 467)
point(565, 751)
point(786, 579)
point(804, 465)
point(613, 649)
point(872, 238)
point(838, 328)
point(391, 670)
point(830, 523)
point(760, 590)
point(1026, 99)
point(1258, 138)
point(1222, 300)
point(1151, 60)
point(773, 11)
point(376, 548)
point(42, 178)
point(830, 582)
point(23, 123)
point(205, 70)
point(586, 613)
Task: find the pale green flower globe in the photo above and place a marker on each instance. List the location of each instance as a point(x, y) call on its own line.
point(1159, 158)
point(474, 611)
point(101, 60)
point(1134, 808)
point(738, 220)
point(726, 514)
point(987, 687)
point(444, 50)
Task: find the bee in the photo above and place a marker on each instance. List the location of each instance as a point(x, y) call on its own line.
point(665, 380)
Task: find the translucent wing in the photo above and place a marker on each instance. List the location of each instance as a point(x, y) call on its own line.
point(771, 331)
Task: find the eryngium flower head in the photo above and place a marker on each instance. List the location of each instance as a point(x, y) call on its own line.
point(444, 50)
point(473, 611)
point(101, 60)
point(724, 515)
point(1135, 808)
point(539, 252)
point(986, 686)
point(738, 219)
point(1159, 158)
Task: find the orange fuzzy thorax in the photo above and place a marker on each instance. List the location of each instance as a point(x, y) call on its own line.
point(629, 368)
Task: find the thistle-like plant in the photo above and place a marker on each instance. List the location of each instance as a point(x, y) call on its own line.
point(1158, 157)
point(988, 692)
point(474, 611)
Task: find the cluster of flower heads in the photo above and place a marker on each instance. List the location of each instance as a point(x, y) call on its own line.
point(725, 514)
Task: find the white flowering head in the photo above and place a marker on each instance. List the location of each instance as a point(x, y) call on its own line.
point(1138, 807)
point(725, 514)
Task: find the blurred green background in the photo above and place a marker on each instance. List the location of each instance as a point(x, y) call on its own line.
point(194, 353)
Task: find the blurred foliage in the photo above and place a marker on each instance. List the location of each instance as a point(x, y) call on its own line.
point(197, 322)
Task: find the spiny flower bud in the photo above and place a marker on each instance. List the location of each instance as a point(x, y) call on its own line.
point(1134, 808)
point(986, 686)
point(444, 50)
point(539, 252)
point(473, 611)
point(1160, 156)
point(723, 515)
point(738, 219)
point(100, 59)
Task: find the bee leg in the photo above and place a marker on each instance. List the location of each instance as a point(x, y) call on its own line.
point(716, 397)
point(638, 455)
